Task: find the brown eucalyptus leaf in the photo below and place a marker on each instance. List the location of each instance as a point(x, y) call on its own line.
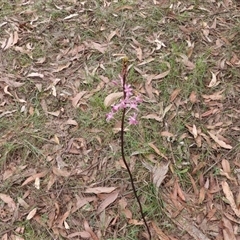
point(31, 214)
point(89, 230)
point(219, 142)
point(62, 67)
point(35, 74)
point(98, 190)
point(11, 41)
point(226, 166)
point(111, 98)
point(193, 97)
point(76, 99)
point(153, 116)
point(82, 234)
point(106, 202)
point(174, 94)
point(228, 232)
point(33, 177)
point(229, 195)
point(213, 82)
point(8, 200)
point(159, 172)
point(61, 172)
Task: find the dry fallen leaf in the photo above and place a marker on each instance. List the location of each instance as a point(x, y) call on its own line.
point(97, 46)
point(11, 83)
point(71, 16)
point(153, 116)
point(226, 166)
point(52, 180)
point(6, 91)
point(219, 142)
point(123, 204)
point(89, 230)
point(71, 122)
point(111, 98)
point(98, 190)
point(82, 201)
point(214, 82)
point(158, 172)
point(11, 41)
point(166, 134)
point(193, 130)
point(82, 234)
point(180, 192)
point(31, 214)
point(229, 195)
point(111, 35)
point(5, 237)
point(190, 65)
point(160, 233)
point(55, 114)
point(33, 177)
point(23, 203)
point(37, 183)
point(35, 74)
point(174, 94)
point(157, 150)
point(7, 199)
point(193, 97)
point(202, 194)
point(76, 99)
point(62, 67)
point(106, 202)
point(214, 97)
point(228, 232)
point(183, 222)
point(60, 172)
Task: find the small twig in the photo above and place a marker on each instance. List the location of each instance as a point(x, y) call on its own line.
point(124, 76)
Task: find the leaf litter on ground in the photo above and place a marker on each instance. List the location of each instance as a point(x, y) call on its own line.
point(53, 84)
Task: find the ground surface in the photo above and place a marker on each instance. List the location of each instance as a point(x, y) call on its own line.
point(62, 176)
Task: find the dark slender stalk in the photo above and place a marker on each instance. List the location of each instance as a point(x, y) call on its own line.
point(124, 76)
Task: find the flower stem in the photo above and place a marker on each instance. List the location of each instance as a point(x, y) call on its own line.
point(124, 78)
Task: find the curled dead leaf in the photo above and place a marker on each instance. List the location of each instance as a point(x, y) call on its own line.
point(6, 91)
point(213, 82)
point(105, 203)
point(219, 142)
point(11, 41)
point(111, 98)
point(76, 99)
point(229, 195)
point(158, 171)
point(62, 67)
